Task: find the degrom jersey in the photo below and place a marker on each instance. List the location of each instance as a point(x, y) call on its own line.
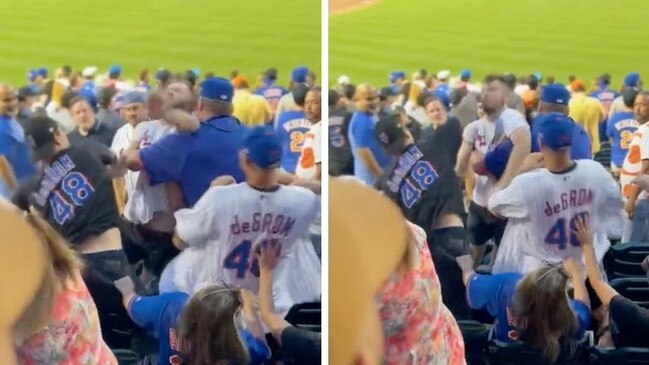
point(228, 225)
point(75, 195)
point(542, 207)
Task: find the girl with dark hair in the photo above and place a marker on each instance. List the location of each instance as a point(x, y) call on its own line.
point(216, 326)
point(534, 308)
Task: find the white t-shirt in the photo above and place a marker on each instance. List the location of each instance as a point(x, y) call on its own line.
point(310, 155)
point(541, 207)
point(632, 165)
point(306, 166)
point(144, 200)
point(225, 228)
point(481, 134)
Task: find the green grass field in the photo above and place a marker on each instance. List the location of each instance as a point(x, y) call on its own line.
point(555, 37)
point(214, 35)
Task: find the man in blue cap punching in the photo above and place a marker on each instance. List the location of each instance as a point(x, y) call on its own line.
point(194, 160)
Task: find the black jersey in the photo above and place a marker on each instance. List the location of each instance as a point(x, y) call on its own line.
point(75, 194)
point(424, 185)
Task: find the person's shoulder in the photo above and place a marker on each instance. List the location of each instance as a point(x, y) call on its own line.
point(298, 192)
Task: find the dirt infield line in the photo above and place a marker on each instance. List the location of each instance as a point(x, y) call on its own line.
point(344, 6)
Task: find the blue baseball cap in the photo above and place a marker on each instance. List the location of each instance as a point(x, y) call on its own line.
point(538, 76)
point(298, 75)
point(555, 94)
point(114, 70)
point(496, 160)
point(31, 75)
point(465, 74)
point(555, 130)
point(263, 147)
point(134, 97)
point(395, 75)
point(217, 88)
point(632, 79)
point(42, 72)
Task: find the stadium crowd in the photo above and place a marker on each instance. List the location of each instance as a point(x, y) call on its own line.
point(515, 193)
point(180, 220)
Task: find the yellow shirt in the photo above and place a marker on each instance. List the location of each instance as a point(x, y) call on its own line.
point(250, 109)
point(588, 112)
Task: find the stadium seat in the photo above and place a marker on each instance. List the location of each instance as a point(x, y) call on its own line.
point(604, 154)
point(624, 259)
point(624, 355)
point(635, 289)
point(126, 357)
point(518, 353)
point(476, 341)
point(307, 316)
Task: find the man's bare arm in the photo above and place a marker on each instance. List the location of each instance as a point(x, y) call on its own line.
point(463, 157)
point(522, 145)
point(367, 157)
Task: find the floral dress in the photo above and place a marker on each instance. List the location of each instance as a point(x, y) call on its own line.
point(418, 328)
point(72, 335)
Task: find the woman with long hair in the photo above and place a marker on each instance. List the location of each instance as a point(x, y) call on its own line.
point(533, 308)
point(61, 324)
point(218, 325)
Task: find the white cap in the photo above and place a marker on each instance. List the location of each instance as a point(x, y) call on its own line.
point(89, 71)
point(443, 74)
point(344, 80)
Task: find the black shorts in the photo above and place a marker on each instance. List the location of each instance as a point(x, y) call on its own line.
point(483, 226)
point(446, 245)
point(102, 269)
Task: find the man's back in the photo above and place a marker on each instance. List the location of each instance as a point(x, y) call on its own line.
point(227, 226)
point(75, 195)
point(291, 127)
point(620, 128)
point(15, 149)
point(194, 160)
point(588, 112)
point(542, 207)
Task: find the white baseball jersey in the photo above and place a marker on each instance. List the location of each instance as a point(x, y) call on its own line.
point(229, 224)
point(482, 134)
point(310, 154)
point(542, 207)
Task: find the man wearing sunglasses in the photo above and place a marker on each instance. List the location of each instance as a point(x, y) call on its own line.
point(12, 136)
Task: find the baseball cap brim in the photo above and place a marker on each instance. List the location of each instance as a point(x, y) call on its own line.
point(367, 240)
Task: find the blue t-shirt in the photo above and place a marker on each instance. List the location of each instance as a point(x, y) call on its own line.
point(361, 135)
point(159, 314)
point(620, 127)
point(494, 294)
point(442, 93)
point(14, 148)
point(194, 160)
point(291, 127)
point(580, 148)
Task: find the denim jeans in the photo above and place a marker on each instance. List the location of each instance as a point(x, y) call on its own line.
point(640, 222)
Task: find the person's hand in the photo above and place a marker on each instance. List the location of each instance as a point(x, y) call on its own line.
point(223, 181)
point(268, 256)
point(629, 208)
point(183, 121)
point(532, 161)
point(125, 285)
point(465, 263)
point(582, 231)
point(574, 270)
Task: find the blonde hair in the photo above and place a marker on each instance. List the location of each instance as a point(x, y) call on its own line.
point(414, 92)
point(63, 267)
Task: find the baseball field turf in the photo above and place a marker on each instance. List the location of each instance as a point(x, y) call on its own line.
point(555, 37)
point(214, 35)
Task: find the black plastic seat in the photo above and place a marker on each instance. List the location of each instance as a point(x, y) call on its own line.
point(307, 316)
point(623, 355)
point(476, 341)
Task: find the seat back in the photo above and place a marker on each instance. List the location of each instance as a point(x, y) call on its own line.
point(519, 353)
point(476, 341)
point(624, 259)
point(307, 316)
point(126, 357)
point(623, 355)
point(634, 289)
